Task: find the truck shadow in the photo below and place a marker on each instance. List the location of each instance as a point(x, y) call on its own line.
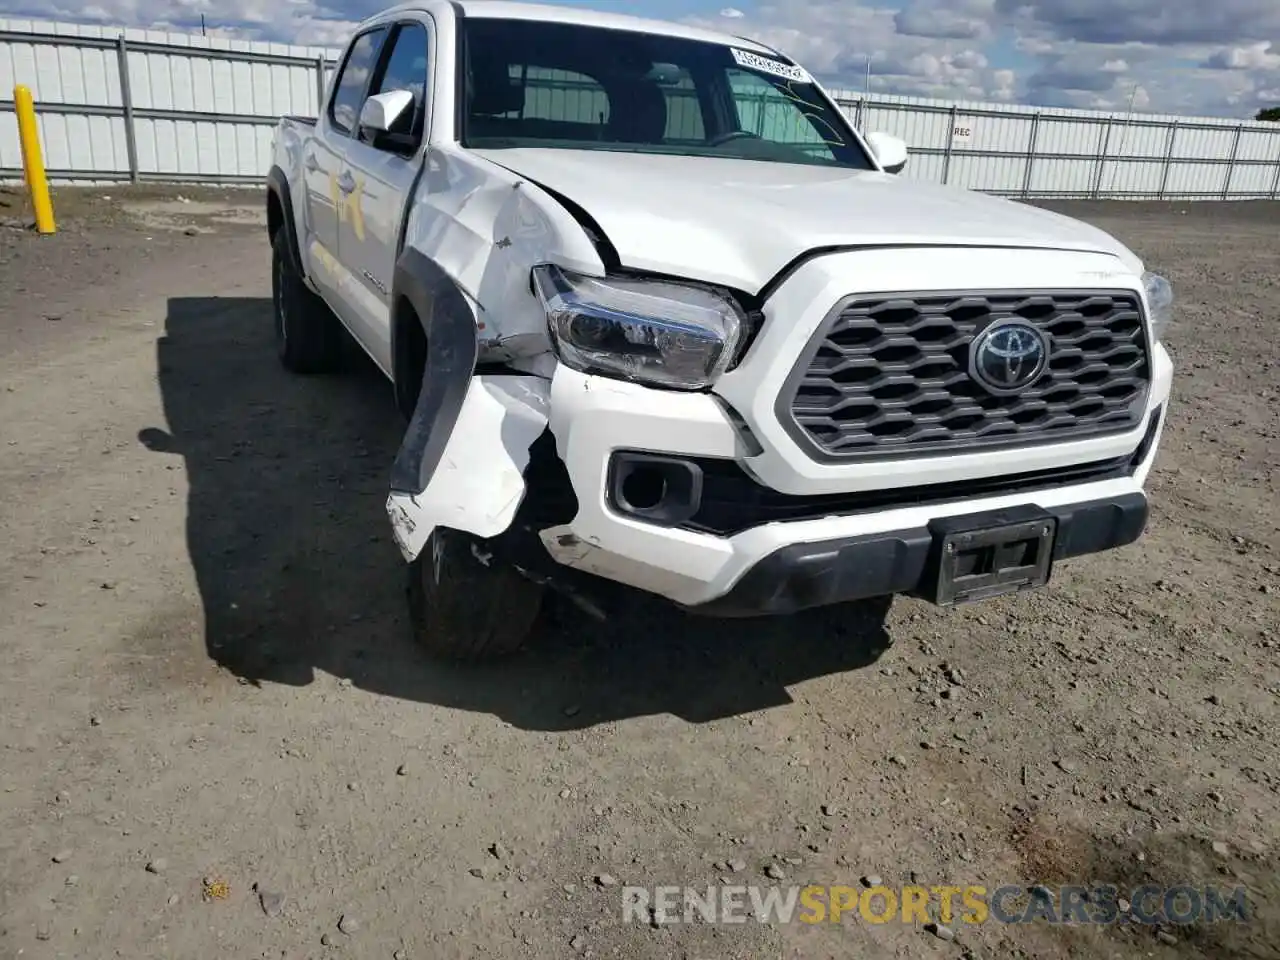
point(298, 572)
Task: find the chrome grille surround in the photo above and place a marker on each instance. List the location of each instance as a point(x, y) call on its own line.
point(887, 375)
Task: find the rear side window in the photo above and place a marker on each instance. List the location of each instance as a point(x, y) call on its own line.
point(348, 92)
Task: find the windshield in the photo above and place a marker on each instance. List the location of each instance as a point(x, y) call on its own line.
point(536, 84)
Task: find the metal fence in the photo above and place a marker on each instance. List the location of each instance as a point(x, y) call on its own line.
point(1028, 152)
point(140, 105)
point(144, 105)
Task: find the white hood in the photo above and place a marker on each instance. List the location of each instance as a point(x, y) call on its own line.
point(740, 222)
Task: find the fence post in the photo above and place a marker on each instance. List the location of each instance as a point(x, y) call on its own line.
point(857, 122)
point(1102, 158)
point(126, 99)
point(951, 133)
point(1031, 155)
point(1275, 181)
point(320, 85)
point(32, 159)
point(1168, 159)
point(1231, 163)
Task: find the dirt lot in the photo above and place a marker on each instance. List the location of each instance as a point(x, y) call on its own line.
point(208, 682)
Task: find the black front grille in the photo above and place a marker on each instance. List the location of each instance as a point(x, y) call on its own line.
point(888, 375)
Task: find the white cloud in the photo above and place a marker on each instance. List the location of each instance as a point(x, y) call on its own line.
point(1035, 46)
point(732, 13)
point(1004, 85)
point(834, 38)
point(1159, 22)
point(293, 21)
point(1255, 56)
point(1200, 58)
point(946, 19)
point(1209, 57)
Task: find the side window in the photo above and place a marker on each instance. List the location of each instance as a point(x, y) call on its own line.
point(406, 69)
point(348, 92)
point(772, 114)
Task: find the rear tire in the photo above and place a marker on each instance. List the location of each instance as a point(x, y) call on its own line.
point(462, 608)
point(308, 336)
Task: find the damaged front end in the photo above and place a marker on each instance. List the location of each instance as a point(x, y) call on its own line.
point(465, 471)
point(476, 482)
point(488, 457)
point(500, 449)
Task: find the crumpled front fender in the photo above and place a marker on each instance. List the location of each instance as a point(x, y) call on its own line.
point(477, 484)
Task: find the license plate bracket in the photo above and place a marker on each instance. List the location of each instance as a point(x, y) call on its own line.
point(988, 556)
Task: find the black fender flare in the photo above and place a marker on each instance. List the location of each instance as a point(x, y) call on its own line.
point(453, 348)
point(278, 186)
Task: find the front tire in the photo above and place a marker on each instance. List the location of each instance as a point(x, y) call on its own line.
point(464, 608)
point(308, 335)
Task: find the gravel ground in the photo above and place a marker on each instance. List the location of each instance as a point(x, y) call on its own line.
point(218, 740)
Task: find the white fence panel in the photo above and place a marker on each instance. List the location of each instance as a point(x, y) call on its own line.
point(1062, 135)
point(1204, 143)
point(1188, 180)
point(1252, 181)
point(1259, 145)
point(198, 108)
point(1058, 177)
point(1139, 179)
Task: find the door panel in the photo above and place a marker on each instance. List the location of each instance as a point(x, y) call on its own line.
point(320, 167)
point(326, 175)
point(383, 171)
point(369, 234)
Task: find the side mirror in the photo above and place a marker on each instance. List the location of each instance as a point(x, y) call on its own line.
point(381, 111)
point(890, 151)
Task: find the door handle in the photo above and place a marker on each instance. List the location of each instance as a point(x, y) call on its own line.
point(312, 164)
point(346, 182)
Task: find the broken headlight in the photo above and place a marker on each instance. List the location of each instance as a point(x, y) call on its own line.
point(651, 331)
point(1159, 302)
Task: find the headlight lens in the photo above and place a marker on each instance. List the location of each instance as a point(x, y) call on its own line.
point(1159, 302)
point(649, 331)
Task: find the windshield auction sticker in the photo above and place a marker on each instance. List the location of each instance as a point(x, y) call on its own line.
point(753, 61)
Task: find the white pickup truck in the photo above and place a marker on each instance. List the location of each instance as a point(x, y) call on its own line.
point(655, 312)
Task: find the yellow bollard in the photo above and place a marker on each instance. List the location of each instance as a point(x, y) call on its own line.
point(32, 161)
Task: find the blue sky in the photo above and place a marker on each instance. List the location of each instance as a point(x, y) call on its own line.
point(1210, 57)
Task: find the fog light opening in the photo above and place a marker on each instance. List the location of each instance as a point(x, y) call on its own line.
point(644, 488)
point(654, 488)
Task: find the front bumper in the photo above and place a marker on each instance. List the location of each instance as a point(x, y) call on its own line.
point(903, 561)
point(860, 529)
point(593, 418)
